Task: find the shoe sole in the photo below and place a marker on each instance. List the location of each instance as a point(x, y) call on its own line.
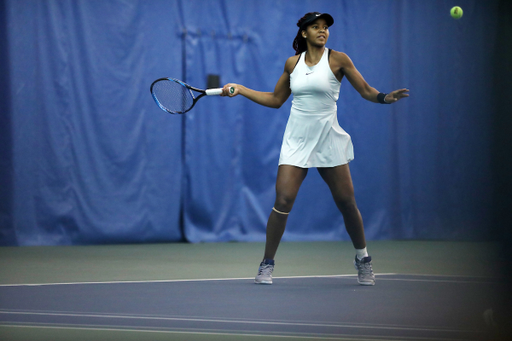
point(366, 283)
point(263, 282)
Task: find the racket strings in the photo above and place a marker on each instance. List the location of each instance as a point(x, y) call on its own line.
point(173, 96)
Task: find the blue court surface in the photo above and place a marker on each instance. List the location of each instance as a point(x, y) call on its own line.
point(398, 307)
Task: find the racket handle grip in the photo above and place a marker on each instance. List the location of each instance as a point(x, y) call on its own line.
point(213, 92)
point(217, 91)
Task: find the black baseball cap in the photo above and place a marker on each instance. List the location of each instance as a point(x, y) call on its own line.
point(316, 15)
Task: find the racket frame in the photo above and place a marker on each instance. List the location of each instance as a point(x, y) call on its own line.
point(207, 92)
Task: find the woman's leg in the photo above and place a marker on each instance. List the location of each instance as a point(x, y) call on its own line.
point(289, 179)
point(340, 183)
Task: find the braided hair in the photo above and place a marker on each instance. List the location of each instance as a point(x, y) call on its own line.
point(299, 43)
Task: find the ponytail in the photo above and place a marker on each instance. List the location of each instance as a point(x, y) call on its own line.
point(299, 43)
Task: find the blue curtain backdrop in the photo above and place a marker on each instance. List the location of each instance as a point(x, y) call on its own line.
point(87, 157)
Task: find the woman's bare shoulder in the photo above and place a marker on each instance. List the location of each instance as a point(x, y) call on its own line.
point(290, 63)
point(339, 56)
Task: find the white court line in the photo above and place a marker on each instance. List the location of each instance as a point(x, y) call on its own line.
point(339, 337)
point(444, 278)
point(482, 281)
point(178, 280)
point(240, 321)
point(475, 279)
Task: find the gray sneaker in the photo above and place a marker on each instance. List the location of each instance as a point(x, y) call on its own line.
point(264, 274)
point(364, 269)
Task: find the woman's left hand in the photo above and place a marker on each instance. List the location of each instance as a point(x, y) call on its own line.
point(396, 95)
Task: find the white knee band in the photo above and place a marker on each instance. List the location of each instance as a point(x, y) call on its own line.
point(274, 209)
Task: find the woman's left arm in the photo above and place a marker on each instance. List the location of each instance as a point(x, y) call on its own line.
point(342, 63)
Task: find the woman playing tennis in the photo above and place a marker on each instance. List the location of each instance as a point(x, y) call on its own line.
point(313, 136)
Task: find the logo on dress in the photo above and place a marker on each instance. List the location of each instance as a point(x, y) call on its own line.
point(308, 73)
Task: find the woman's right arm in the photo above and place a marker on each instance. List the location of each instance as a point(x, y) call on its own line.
point(269, 99)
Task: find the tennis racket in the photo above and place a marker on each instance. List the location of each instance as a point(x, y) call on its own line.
point(176, 97)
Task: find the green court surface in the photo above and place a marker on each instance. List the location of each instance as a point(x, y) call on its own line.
point(56, 264)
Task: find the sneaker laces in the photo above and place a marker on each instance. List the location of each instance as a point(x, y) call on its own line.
point(266, 269)
point(366, 268)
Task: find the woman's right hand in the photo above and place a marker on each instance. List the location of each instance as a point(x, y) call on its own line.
point(227, 91)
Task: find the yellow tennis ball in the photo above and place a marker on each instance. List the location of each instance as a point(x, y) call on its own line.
point(456, 12)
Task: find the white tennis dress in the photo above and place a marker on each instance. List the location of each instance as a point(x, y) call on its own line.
point(313, 136)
